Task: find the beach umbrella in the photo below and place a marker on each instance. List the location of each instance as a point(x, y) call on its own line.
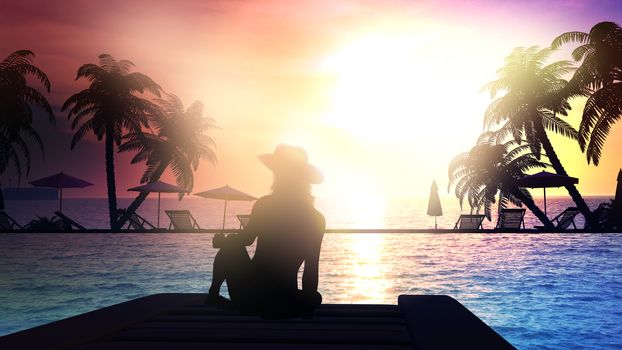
point(159, 187)
point(60, 181)
point(544, 180)
point(226, 193)
point(434, 203)
point(1, 199)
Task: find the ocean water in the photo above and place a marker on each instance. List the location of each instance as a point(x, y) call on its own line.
point(539, 291)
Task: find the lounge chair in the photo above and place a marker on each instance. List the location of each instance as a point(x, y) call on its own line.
point(181, 220)
point(67, 223)
point(243, 220)
point(7, 223)
point(564, 219)
point(469, 222)
point(136, 221)
point(511, 218)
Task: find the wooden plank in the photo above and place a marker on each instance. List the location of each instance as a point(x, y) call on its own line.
point(328, 312)
point(98, 324)
point(301, 336)
point(359, 306)
point(322, 307)
point(282, 326)
point(357, 313)
point(236, 319)
point(439, 322)
point(126, 345)
point(181, 321)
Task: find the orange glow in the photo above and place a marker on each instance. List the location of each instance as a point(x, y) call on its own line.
point(386, 93)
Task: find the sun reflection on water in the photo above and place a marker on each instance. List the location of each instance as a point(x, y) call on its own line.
point(364, 272)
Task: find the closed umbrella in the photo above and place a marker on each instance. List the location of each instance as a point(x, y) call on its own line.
point(618, 197)
point(1, 199)
point(159, 187)
point(434, 203)
point(60, 181)
point(544, 180)
point(617, 200)
point(226, 193)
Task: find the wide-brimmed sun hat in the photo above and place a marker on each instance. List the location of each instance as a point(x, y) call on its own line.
point(292, 160)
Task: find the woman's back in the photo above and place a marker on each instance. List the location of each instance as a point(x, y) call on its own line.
point(289, 231)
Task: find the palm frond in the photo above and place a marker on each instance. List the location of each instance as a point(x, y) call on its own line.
point(605, 103)
point(580, 52)
point(599, 134)
point(108, 63)
point(125, 66)
point(91, 72)
point(30, 69)
point(83, 130)
point(138, 82)
point(568, 37)
point(552, 122)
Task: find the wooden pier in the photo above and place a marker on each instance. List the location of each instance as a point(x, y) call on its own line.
point(182, 321)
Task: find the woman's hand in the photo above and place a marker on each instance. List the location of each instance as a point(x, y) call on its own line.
point(219, 240)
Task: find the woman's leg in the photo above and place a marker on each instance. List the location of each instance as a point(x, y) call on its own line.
point(218, 274)
point(231, 264)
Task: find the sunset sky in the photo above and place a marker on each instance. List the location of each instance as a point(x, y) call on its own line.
point(382, 94)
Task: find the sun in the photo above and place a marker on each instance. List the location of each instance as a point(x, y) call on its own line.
point(375, 83)
point(402, 82)
point(402, 99)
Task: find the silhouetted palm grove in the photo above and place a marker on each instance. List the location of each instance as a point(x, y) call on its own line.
point(534, 95)
point(178, 144)
point(489, 170)
point(531, 97)
point(109, 108)
point(113, 108)
point(600, 78)
point(16, 99)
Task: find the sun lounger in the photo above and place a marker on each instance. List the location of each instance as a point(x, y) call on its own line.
point(181, 220)
point(564, 219)
point(68, 224)
point(511, 218)
point(469, 222)
point(243, 220)
point(136, 221)
point(7, 223)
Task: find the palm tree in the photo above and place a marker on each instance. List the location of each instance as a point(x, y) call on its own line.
point(16, 116)
point(535, 93)
point(108, 108)
point(490, 170)
point(599, 77)
point(178, 144)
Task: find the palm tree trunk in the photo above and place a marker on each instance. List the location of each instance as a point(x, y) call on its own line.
point(559, 169)
point(110, 180)
point(533, 207)
point(140, 198)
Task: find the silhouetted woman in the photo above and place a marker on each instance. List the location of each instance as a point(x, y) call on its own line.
point(289, 231)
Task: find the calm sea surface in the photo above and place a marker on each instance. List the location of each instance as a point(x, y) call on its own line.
point(544, 291)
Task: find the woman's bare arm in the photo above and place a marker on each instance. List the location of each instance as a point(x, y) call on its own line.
point(312, 261)
point(252, 228)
